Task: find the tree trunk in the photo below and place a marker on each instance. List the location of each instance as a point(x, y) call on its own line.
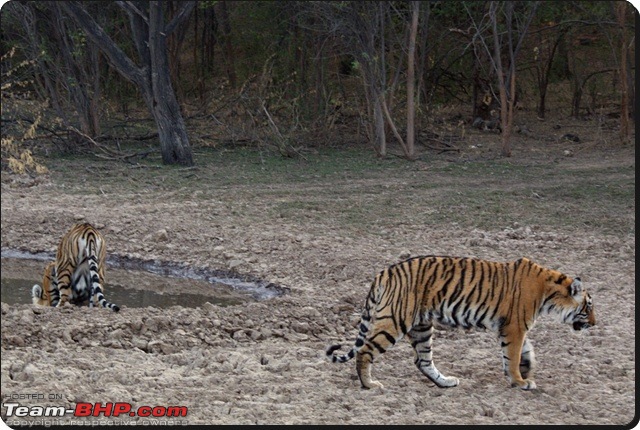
point(625, 135)
point(507, 81)
point(422, 56)
point(380, 135)
point(153, 77)
point(411, 111)
point(542, 102)
point(94, 101)
point(544, 71)
point(174, 142)
point(174, 49)
point(575, 102)
point(222, 14)
point(502, 86)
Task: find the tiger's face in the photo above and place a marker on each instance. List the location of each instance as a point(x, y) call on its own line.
point(585, 317)
point(580, 311)
point(569, 301)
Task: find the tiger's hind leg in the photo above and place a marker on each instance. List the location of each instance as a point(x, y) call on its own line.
point(420, 337)
point(43, 295)
point(63, 283)
point(381, 336)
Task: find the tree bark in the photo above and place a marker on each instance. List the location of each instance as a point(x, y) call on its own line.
point(544, 70)
point(502, 86)
point(411, 110)
point(625, 132)
point(223, 16)
point(174, 142)
point(153, 76)
point(507, 80)
point(380, 135)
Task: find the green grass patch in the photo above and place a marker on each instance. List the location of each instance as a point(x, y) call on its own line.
point(352, 188)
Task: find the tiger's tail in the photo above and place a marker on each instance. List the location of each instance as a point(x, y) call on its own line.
point(96, 289)
point(365, 324)
point(97, 293)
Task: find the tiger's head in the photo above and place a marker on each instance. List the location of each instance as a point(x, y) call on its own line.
point(568, 300)
point(584, 316)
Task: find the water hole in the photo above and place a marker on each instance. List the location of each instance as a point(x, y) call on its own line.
point(138, 283)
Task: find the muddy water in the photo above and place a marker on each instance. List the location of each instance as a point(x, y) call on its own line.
point(138, 284)
point(19, 290)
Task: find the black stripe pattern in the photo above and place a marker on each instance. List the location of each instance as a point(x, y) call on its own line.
point(77, 275)
point(407, 298)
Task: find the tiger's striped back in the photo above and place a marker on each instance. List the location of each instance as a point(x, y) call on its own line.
point(80, 267)
point(408, 297)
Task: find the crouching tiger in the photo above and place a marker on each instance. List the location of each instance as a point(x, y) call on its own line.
point(77, 275)
point(408, 297)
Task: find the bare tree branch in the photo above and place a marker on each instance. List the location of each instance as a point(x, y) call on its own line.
point(183, 14)
point(116, 56)
point(130, 8)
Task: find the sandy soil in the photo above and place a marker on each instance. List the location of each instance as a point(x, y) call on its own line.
point(263, 363)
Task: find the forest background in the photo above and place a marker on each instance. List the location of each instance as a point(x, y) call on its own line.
point(309, 145)
point(399, 77)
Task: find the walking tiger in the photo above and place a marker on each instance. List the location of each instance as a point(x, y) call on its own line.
point(408, 297)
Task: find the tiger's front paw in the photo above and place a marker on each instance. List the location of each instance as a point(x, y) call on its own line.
point(525, 384)
point(448, 382)
point(372, 384)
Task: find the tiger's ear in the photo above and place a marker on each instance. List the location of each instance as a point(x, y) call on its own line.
point(576, 287)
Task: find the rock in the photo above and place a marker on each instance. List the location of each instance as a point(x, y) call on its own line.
point(116, 334)
point(140, 343)
point(571, 137)
point(27, 316)
point(300, 327)
point(254, 334)
point(209, 307)
point(15, 340)
point(161, 235)
point(234, 264)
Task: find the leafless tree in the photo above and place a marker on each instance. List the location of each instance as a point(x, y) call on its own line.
point(507, 80)
point(67, 68)
point(621, 9)
point(546, 46)
point(508, 28)
point(362, 28)
point(411, 94)
point(151, 74)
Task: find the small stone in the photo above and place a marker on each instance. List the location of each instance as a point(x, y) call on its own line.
point(139, 343)
point(161, 235)
point(233, 264)
point(209, 307)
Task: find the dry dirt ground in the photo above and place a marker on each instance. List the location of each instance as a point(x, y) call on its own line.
point(323, 235)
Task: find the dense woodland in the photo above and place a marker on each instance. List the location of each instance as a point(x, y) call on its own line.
point(288, 74)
